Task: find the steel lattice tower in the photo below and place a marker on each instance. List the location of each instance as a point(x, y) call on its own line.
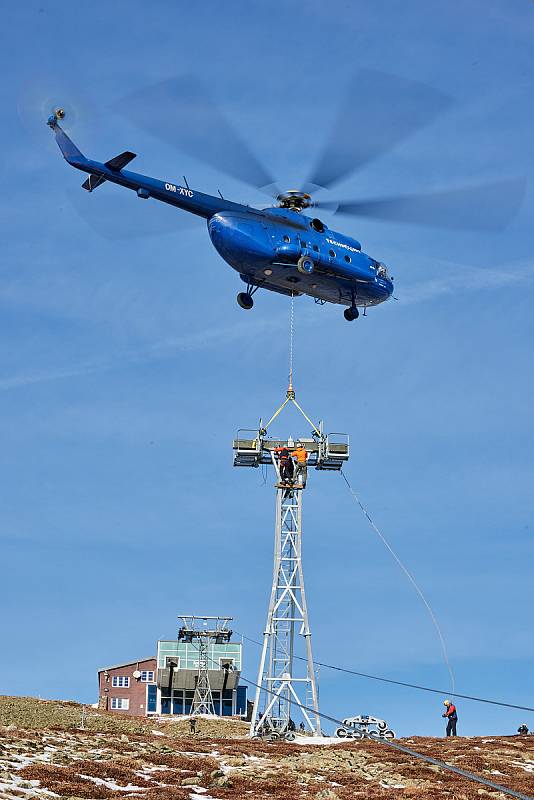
point(283, 679)
point(219, 633)
point(203, 699)
point(288, 613)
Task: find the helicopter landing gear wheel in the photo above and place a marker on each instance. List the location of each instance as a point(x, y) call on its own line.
point(305, 265)
point(351, 313)
point(244, 300)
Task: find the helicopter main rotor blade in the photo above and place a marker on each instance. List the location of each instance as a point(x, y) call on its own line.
point(181, 113)
point(119, 215)
point(486, 207)
point(381, 110)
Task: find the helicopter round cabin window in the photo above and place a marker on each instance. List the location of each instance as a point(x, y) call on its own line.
point(286, 238)
point(316, 248)
point(332, 253)
point(347, 259)
point(317, 225)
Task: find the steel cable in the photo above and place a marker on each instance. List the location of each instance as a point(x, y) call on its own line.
point(442, 764)
point(401, 683)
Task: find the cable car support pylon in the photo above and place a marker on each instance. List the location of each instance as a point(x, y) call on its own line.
point(284, 678)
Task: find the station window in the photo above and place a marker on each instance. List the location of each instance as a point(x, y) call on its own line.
point(347, 259)
point(287, 238)
point(120, 703)
point(147, 676)
point(121, 680)
point(332, 253)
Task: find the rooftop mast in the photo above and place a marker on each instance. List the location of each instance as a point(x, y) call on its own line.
point(218, 633)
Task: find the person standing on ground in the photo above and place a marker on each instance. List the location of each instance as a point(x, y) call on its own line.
point(192, 725)
point(451, 716)
point(301, 455)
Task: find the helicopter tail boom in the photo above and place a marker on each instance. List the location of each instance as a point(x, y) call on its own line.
point(66, 145)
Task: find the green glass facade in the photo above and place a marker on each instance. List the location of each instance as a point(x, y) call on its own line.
point(186, 653)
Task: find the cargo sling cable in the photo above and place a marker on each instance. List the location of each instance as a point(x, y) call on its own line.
point(410, 578)
point(429, 759)
point(380, 678)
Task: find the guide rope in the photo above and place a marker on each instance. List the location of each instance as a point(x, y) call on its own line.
point(410, 578)
point(421, 756)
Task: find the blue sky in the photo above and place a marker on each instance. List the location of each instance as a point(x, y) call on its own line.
point(126, 365)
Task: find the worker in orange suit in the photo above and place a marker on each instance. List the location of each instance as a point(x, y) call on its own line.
point(300, 455)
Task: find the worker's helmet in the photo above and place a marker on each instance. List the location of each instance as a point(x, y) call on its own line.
point(446, 702)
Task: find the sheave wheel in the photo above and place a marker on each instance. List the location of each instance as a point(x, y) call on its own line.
point(245, 300)
point(351, 313)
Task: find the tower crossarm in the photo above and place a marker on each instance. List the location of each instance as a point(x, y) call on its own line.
point(325, 451)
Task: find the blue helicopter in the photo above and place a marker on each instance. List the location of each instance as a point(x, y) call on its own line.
point(279, 248)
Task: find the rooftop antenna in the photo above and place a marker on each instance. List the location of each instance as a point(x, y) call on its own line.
point(204, 631)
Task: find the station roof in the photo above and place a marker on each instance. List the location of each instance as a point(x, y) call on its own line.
point(127, 663)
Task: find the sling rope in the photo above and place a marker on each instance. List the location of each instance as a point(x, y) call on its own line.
point(410, 578)
point(291, 335)
point(290, 394)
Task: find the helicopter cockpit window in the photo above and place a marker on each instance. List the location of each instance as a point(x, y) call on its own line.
point(381, 270)
point(317, 225)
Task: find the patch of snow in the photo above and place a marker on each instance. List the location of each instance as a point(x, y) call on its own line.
point(496, 772)
point(318, 740)
point(157, 733)
point(5, 789)
point(205, 796)
point(527, 765)
point(113, 785)
point(392, 785)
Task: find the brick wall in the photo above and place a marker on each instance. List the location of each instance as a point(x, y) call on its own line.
point(135, 693)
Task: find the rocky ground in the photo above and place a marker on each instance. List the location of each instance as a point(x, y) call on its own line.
point(44, 753)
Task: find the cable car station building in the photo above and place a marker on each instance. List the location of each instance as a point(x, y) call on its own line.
point(177, 677)
point(197, 673)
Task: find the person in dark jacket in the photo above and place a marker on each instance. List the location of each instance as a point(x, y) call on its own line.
point(451, 716)
point(286, 464)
